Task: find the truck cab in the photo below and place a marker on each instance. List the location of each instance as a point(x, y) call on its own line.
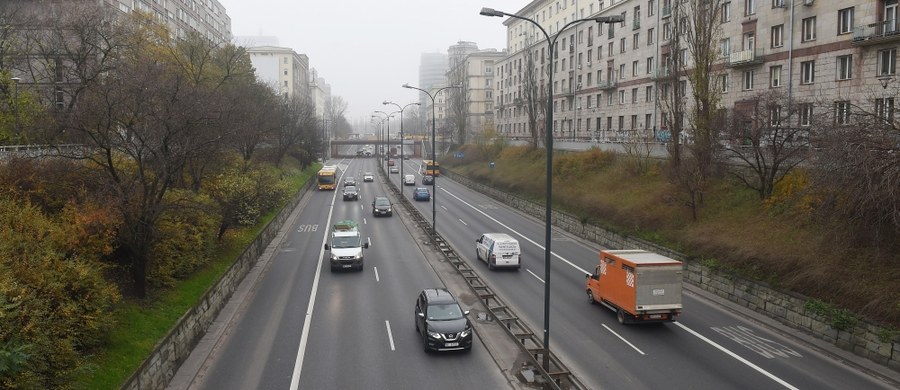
point(346, 246)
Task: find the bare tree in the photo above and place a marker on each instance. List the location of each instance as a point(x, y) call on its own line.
point(296, 130)
point(532, 94)
point(458, 102)
point(768, 141)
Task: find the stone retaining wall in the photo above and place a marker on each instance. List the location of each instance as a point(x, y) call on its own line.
point(159, 368)
point(864, 339)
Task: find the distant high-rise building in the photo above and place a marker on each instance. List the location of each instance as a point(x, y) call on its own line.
point(432, 72)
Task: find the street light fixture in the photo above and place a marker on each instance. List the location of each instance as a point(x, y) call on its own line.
point(16, 80)
point(401, 139)
point(380, 135)
point(387, 139)
point(551, 42)
point(433, 156)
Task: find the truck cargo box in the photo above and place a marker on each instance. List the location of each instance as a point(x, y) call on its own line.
point(638, 285)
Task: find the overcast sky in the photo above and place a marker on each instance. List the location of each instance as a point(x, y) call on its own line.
point(367, 49)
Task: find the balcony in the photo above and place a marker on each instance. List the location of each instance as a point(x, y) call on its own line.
point(607, 84)
point(876, 33)
point(745, 58)
point(661, 73)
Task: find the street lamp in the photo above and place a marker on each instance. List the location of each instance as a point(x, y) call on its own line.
point(433, 157)
point(549, 131)
point(401, 138)
point(387, 140)
point(16, 80)
point(380, 134)
point(885, 114)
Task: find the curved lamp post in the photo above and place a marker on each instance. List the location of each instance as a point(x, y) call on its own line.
point(387, 140)
point(433, 156)
point(551, 42)
point(380, 134)
point(401, 139)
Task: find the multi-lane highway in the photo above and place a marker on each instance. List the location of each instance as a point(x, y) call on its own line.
point(305, 327)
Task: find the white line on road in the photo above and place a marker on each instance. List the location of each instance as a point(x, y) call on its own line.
point(463, 222)
point(390, 336)
point(369, 239)
point(623, 340)
point(377, 279)
point(442, 206)
point(734, 355)
point(535, 275)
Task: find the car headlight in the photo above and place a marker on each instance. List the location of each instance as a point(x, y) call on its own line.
point(465, 333)
point(389, 210)
point(334, 256)
point(434, 335)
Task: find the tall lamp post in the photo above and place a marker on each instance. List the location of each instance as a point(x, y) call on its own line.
point(551, 42)
point(380, 134)
point(433, 156)
point(401, 138)
point(16, 80)
point(387, 139)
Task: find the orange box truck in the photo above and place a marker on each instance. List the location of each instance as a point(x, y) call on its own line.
point(639, 286)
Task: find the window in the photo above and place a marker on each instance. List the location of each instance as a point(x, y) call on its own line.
point(622, 71)
point(775, 76)
point(610, 49)
point(749, 7)
point(634, 95)
point(842, 112)
point(637, 41)
point(650, 33)
point(775, 115)
point(634, 68)
point(845, 21)
point(682, 89)
point(884, 109)
point(725, 45)
point(805, 114)
point(622, 97)
point(845, 67)
point(622, 45)
point(649, 65)
point(589, 79)
point(778, 36)
point(723, 82)
point(726, 12)
point(648, 94)
point(887, 62)
point(609, 99)
point(808, 29)
point(651, 6)
point(748, 80)
point(777, 3)
point(807, 72)
point(667, 31)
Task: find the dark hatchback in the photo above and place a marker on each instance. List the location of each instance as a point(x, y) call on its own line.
point(427, 180)
point(441, 322)
point(382, 206)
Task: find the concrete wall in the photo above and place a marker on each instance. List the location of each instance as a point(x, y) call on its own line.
point(159, 368)
point(864, 339)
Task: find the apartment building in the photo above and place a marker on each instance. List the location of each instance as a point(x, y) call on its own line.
point(208, 17)
point(432, 72)
point(473, 70)
point(828, 57)
point(286, 71)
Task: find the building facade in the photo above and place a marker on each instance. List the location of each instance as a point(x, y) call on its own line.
point(432, 72)
point(208, 17)
point(472, 69)
point(286, 71)
point(826, 57)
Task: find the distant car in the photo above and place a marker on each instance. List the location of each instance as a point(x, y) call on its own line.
point(368, 176)
point(395, 169)
point(427, 180)
point(391, 162)
point(351, 193)
point(382, 206)
point(349, 181)
point(406, 157)
point(441, 321)
point(421, 193)
point(409, 180)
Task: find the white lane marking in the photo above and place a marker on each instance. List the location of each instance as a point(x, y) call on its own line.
point(766, 348)
point(623, 340)
point(365, 221)
point(369, 239)
point(734, 355)
point(377, 279)
point(583, 271)
point(535, 275)
point(304, 334)
point(463, 222)
point(390, 336)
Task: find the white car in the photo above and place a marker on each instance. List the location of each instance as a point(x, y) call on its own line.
point(395, 169)
point(409, 180)
point(368, 176)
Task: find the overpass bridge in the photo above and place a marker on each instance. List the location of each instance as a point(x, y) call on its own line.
point(338, 147)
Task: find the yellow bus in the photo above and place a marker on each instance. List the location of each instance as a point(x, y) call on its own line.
point(430, 167)
point(326, 179)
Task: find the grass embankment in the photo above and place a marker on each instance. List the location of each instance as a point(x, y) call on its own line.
point(779, 241)
point(141, 324)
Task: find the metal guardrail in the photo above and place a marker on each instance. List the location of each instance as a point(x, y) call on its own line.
point(558, 376)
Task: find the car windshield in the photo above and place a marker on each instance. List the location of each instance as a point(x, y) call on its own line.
point(349, 189)
point(345, 242)
point(382, 202)
point(444, 312)
point(350, 180)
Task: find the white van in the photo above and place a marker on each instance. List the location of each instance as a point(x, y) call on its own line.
point(498, 250)
point(409, 180)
